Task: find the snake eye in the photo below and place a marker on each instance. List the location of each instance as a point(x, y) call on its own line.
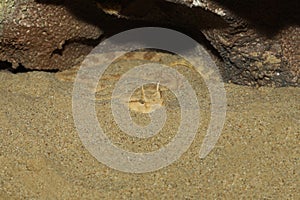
point(141, 101)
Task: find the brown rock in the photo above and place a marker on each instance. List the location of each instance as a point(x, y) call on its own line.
point(46, 36)
point(257, 40)
point(254, 42)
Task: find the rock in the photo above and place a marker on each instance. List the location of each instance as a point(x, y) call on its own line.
point(48, 36)
point(254, 42)
point(258, 41)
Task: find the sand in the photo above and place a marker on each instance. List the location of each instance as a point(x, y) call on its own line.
point(42, 156)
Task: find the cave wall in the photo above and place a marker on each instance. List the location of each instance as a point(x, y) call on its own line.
point(253, 42)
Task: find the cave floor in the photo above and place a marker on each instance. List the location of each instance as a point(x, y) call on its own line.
point(42, 156)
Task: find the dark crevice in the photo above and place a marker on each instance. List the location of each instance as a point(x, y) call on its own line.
point(7, 67)
point(4, 65)
point(58, 52)
point(267, 16)
point(84, 41)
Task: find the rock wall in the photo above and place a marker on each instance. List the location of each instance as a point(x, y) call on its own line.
point(47, 36)
point(256, 42)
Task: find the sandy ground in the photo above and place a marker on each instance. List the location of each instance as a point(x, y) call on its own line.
point(42, 156)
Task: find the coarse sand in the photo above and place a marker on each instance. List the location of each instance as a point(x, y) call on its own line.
point(42, 156)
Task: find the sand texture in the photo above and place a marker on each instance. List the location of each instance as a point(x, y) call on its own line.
point(42, 156)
